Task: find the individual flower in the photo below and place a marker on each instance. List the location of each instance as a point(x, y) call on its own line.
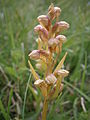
point(44, 21)
point(38, 54)
point(52, 43)
point(43, 33)
point(60, 26)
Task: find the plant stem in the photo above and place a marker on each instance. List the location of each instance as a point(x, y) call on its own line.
point(45, 108)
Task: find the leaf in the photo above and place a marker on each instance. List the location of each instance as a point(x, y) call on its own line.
point(33, 92)
point(60, 63)
point(9, 102)
point(77, 90)
point(3, 110)
point(33, 71)
point(25, 96)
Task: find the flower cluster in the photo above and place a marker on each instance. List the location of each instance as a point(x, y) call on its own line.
point(50, 43)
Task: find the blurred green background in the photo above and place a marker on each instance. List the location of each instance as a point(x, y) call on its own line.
point(18, 98)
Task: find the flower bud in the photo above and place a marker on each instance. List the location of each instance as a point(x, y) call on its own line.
point(59, 26)
point(62, 73)
point(50, 79)
point(53, 12)
point(61, 38)
point(44, 21)
point(43, 33)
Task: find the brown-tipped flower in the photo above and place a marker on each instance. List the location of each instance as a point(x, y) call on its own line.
point(44, 21)
point(34, 55)
point(61, 38)
point(42, 85)
point(50, 79)
point(53, 12)
point(59, 26)
point(37, 54)
point(62, 73)
point(52, 43)
point(43, 33)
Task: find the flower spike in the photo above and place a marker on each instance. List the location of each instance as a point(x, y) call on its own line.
point(50, 43)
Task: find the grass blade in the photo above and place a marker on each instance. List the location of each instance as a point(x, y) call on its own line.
point(3, 110)
point(77, 90)
point(25, 96)
point(83, 76)
point(75, 108)
point(9, 102)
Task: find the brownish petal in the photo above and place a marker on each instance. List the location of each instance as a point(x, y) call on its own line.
point(61, 38)
point(50, 79)
point(62, 73)
point(59, 26)
point(34, 54)
point(44, 21)
point(43, 33)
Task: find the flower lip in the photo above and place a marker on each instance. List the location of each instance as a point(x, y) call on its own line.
point(62, 73)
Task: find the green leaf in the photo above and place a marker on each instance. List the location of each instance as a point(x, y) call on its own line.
point(3, 110)
point(9, 102)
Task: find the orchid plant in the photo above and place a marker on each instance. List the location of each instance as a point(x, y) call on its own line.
point(50, 43)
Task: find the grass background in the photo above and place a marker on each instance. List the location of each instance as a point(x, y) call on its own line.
point(18, 98)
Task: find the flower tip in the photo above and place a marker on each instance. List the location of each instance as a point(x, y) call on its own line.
point(37, 28)
point(38, 82)
point(61, 38)
point(34, 54)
